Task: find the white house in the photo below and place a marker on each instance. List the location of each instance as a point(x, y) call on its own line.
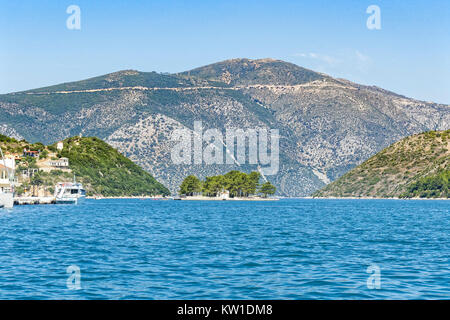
point(60, 145)
point(224, 195)
point(6, 175)
point(9, 162)
point(61, 163)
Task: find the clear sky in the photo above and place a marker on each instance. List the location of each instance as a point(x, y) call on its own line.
point(410, 55)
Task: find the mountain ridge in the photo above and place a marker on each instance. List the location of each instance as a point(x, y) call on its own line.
point(193, 72)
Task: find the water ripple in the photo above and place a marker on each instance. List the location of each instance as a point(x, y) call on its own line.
point(289, 249)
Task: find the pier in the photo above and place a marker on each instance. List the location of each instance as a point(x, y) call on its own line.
point(33, 200)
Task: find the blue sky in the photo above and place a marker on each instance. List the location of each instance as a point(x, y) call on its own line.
point(410, 55)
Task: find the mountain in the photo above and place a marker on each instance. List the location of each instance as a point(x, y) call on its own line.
point(327, 126)
point(101, 168)
point(416, 166)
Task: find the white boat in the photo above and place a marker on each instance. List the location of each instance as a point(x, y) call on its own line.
point(6, 199)
point(69, 192)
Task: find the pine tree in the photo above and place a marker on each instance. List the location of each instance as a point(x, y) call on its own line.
point(267, 189)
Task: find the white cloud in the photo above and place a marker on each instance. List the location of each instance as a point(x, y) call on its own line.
point(361, 57)
point(320, 57)
point(363, 61)
point(342, 63)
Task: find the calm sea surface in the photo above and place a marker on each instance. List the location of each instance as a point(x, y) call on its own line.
point(288, 249)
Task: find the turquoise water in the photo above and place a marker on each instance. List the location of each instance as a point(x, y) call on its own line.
point(288, 249)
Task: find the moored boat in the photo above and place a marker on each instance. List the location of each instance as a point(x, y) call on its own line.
point(69, 193)
point(6, 200)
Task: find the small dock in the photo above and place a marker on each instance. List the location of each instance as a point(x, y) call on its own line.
point(18, 201)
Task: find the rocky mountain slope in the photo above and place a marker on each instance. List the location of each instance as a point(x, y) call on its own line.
point(416, 166)
point(327, 126)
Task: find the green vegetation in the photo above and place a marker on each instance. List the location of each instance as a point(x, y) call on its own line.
point(190, 185)
point(415, 167)
point(238, 184)
point(5, 139)
point(104, 171)
point(435, 186)
point(78, 100)
point(267, 189)
point(11, 145)
point(263, 71)
point(213, 186)
point(129, 78)
point(101, 168)
point(43, 154)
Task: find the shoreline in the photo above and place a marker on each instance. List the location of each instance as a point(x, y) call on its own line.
point(259, 199)
point(130, 197)
point(202, 198)
point(370, 198)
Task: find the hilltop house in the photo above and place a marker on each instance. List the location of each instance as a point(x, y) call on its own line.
point(61, 163)
point(30, 153)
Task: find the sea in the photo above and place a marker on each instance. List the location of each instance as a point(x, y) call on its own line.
point(287, 249)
